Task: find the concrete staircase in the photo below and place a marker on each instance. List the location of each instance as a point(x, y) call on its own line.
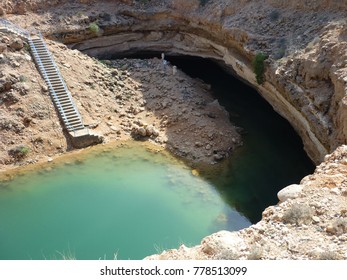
point(61, 96)
point(57, 87)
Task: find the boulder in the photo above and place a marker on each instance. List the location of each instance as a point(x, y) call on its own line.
point(142, 131)
point(290, 192)
point(17, 44)
point(223, 245)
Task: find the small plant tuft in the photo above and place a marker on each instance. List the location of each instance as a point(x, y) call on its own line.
point(298, 214)
point(94, 28)
point(259, 67)
point(23, 79)
point(27, 47)
point(19, 152)
point(339, 226)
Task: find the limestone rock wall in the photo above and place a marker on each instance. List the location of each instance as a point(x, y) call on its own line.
point(304, 74)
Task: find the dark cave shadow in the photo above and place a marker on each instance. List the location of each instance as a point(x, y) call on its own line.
point(272, 156)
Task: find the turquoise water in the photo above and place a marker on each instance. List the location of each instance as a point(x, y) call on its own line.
point(125, 201)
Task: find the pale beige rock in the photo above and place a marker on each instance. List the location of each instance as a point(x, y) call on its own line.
point(290, 192)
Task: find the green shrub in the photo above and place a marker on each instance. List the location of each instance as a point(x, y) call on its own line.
point(27, 47)
point(19, 152)
point(94, 28)
point(259, 67)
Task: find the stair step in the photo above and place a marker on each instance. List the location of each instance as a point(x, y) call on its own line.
point(46, 60)
point(72, 117)
point(50, 68)
point(75, 128)
point(67, 108)
point(64, 104)
point(53, 77)
point(41, 50)
point(64, 101)
point(52, 74)
point(56, 83)
point(72, 114)
point(77, 122)
point(60, 92)
point(44, 56)
point(74, 123)
point(59, 89)
point(62, 97)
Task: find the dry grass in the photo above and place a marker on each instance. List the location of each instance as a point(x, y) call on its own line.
point(298, 214)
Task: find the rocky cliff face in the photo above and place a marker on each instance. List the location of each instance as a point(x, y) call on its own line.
point(305, 71)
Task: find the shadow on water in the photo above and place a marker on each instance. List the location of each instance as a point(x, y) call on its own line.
point(272, 156)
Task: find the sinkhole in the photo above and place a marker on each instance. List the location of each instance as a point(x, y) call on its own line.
point(129, 201)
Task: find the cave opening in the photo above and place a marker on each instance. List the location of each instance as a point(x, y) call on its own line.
point(272, 156)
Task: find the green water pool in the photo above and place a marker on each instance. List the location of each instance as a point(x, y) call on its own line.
point(126, 202)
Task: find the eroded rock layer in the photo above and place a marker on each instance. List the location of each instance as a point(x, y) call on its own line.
point(305, 71)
